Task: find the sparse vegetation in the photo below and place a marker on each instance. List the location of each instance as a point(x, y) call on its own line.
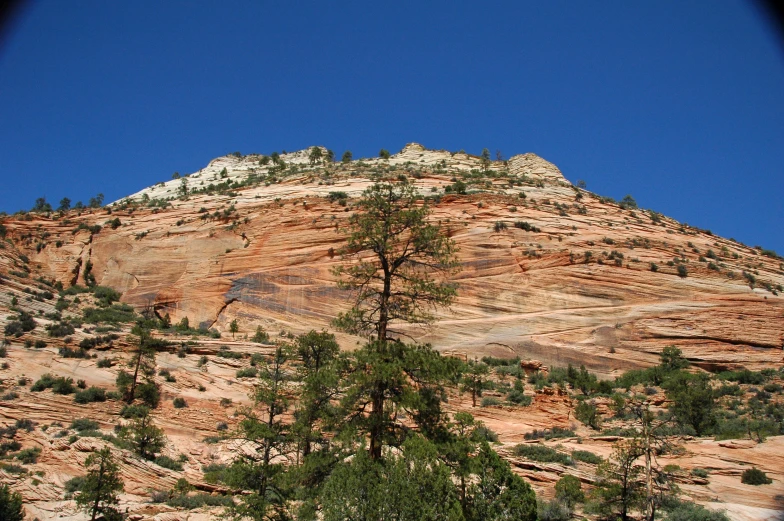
point(542, 453)
point(754, 476)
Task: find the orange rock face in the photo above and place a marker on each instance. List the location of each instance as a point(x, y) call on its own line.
point(580, 290)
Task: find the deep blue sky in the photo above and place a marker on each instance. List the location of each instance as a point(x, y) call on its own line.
point(680, 104)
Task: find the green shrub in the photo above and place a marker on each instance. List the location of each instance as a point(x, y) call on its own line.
point(25, 424)
point(168, 463)
point(569, 490)
point(523, 225)
point(682, 271)
point(149, 393)
point(105, 295)
point(179, 403)
point(117, 313)
point(73, 486)
point(93, 394)
point(226, 353)
point(700, 473)
point(744, 376)
point(167, 375)
point(541, 453)
point(754, 476)
point(490, 401)
point(11, 502)
point(728, 390)
point(214, 472)
point(60, 330)
point(9, 446)
point(104, 362)
point(28, 456)
point(247, 372)
point(693, 401)
point(517, 397)
point(84, 424)
point(134, 411)
point(199, 500)
point(59, 385)
point(686, 511)
point(588, 414)
point(586, 457)
point(13, 468)
point(548, 434)
point(67, 352)
point(261, 336)
point(13, 328)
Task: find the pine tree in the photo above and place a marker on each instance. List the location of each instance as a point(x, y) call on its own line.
point(496, 493)
point(620, 489)
point(317, 352)
point(485, 159)
point(475, 380)
point(262, 472)
point(693, 400)
point(98, 492)
point(141, 434)
point(143, 437)
point(394, 284)
point(10, 504)
point(412, 486)
point(143, 363)
point(315, 155)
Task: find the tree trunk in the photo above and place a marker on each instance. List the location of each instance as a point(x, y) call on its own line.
point(135, 376)
point(98, 492)
point(377, 414)
point(376, 425)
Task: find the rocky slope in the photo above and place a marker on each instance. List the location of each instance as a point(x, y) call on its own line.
point(550, 272)
point(578, 289)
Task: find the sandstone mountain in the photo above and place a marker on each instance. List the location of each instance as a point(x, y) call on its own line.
point(578, 289)
point(550, 272)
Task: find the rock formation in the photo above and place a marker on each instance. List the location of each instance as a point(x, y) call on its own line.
point(551, 273)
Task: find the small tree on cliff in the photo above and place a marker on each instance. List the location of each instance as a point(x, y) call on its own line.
point(475, 380)
point(143, 364)
point(143, 437)
point(485, 159)
point(262, 472)
point(315, 155)
point(317, 352)
point(98, 492)
point(397, 252)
